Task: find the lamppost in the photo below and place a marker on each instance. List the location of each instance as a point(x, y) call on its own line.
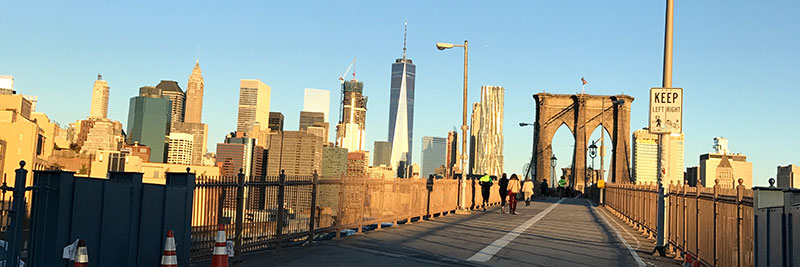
point(592, 154)
point(533, 148)
point(464, 127)
point(553, 161)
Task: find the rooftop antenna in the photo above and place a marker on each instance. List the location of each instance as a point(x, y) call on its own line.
point(354, 68)
point(405, 33)
point(197, 60)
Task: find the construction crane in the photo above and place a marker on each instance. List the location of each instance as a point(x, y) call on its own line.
point(352, 64)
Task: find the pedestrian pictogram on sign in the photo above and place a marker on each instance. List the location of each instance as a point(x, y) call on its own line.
point(666, 110)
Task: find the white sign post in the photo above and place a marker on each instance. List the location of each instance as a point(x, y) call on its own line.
point(666, 110)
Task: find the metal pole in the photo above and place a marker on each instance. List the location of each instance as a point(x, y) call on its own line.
point(239, 213)
point(17, 215)
point(313, 215)
point(281, 218)
point(662, 153)
point(667, 79)
point(464, 129)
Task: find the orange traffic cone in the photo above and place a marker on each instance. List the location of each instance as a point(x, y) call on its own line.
point(220, 257)
point(81, 255)
point(170, 258)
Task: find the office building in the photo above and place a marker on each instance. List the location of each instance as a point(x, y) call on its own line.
point(740, 167)
point(645, 157)
point(451, 157)
point(24, 135)
point(383, 153)
point(489, 152)
point(193, 113)
point(356, 165)
point(6, 85)
point(475, 126)
point(434, 153)
point(199, 132)
point(295, 152)
point(788, 176)
point(99, 108)
point(319, 129)
point(240, 152)
point(334, 162)
point(691, 176)
point(401, 108)
point(33, 99)
point(276, 121)
point(309, 118)
point(254, 98)
point(314, 122)
point(316, 100)
point(172, 91)
point(149, 124)
point(137, 150)
point(99, 134)
point(352, 118)
point(180, 148)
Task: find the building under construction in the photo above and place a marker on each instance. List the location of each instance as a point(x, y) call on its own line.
point(352, 117)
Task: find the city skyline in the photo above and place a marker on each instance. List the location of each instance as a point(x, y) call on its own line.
point(703, 68)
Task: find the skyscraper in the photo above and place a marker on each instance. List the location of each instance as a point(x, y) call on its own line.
point(316, 100)
point(254, 97)
point(194, 96)
point(710, 162)
point(199, 132)
point(180, 148)
point(149, 124)
point(401, 108)
point(383, 153)
point(99, 107)
point(171, 90)
point(352, 118)
point(434, 153)
point(309, 118)
point(788, 176)
point(276, 121)
point(645, 157)
point(314, 122)
point(295, 152)
point(489, 152)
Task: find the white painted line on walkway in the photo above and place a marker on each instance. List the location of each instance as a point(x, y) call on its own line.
point(630, 249)
point(488, 252)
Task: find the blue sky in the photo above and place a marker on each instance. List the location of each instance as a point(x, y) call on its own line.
point(736, 60)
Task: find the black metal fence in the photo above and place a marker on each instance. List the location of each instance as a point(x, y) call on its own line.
point(250, 209)
point(267, 212)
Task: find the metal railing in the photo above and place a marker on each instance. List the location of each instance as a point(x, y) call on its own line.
point(713, 224)
point(266, 212)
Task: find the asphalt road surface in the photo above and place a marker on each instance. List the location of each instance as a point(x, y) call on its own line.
point(549, 232)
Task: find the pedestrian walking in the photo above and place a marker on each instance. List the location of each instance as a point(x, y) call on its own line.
point(486, 186)
point(527, 189)
point(561, 186)
point(544, 188)
point(513, 188)
point(503, 192)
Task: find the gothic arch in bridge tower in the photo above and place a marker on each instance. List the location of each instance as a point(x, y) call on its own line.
point(583, 113)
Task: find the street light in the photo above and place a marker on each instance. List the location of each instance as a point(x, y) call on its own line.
point(553, 161)
point(464, 127)
point(592, 154)
point(533, 150)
